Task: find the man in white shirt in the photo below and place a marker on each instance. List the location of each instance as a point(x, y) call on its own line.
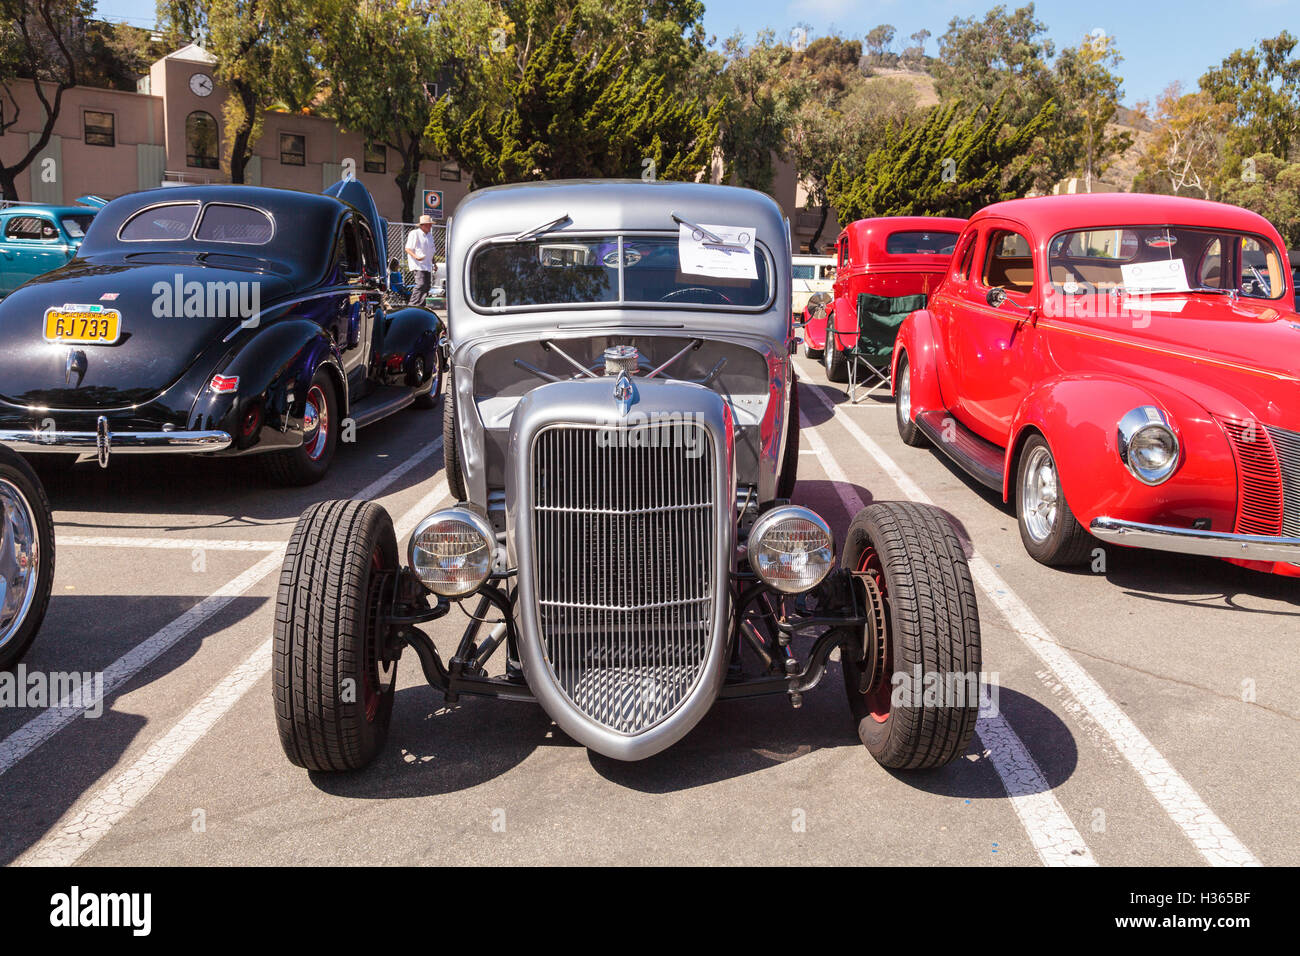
point(420, 250)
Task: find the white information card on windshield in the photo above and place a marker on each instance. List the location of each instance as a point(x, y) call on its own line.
point(1166, 275)
point(703, 255)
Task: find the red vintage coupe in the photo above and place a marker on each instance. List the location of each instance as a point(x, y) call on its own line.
point(889, 256)
point(1125, 365)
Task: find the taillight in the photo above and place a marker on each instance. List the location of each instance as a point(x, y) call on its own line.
point(224, 383)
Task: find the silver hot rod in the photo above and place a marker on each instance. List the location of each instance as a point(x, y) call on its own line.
point(621, 440)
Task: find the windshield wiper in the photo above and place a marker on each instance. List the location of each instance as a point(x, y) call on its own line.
point(1202, 288)
point(543, 228)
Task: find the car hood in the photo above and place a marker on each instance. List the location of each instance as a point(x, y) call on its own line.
point(1234, 356)
point(171, 311)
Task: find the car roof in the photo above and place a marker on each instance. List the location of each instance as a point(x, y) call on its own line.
point(604, 205)
point(1047, 215)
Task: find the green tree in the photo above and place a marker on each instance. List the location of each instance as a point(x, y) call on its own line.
point(1263, 87)
point(43, 42)
point(1273, 191)
point(941, 165)
point(261, 47)
point(1091, 90)
point(569, 116)
point(387, 63)
point(879, 40)
point(1186, 153)
point(759, 101)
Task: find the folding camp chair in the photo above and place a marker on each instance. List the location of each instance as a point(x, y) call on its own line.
point(878, 320)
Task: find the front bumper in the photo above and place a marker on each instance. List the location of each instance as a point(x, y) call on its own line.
point(102, 442)
point(1212, 544)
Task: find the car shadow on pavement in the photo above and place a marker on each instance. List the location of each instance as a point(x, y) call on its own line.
point(435, 749)
point(46, 782)
point(1193, 581)
point(234, 492)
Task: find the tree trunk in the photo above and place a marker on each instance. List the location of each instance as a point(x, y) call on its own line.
point(408, 177)
point(816, 237)
point(240, 145)
point(8, 185)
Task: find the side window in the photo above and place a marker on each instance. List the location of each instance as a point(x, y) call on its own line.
point(1211, 271)
point(844, 250)
point(365, 237)
point(31, 227)
point(1008, 262)
point(348, 250)
point(967, 257)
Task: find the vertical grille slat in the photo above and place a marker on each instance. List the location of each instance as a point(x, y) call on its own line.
point(1268, 477)
point(625, 555)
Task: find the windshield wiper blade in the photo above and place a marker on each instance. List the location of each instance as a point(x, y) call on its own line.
point(1151, 292)
point(543, 228)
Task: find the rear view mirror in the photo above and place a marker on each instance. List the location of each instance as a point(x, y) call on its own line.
point(996, 296)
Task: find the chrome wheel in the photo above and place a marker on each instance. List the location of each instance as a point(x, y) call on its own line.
point(903, 401)
point(316, 423)
point(20, 559)
point(1040, 494)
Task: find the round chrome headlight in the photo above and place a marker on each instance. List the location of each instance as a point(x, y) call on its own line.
point(791, 549)
point(1147, 445)
point(451, 551)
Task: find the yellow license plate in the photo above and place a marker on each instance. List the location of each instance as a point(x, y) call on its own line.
point(86, 324)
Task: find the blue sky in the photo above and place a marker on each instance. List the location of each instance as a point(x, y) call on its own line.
point(1161, 42)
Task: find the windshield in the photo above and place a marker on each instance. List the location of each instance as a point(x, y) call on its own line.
point(77, 225)
point(1143, 260)
point(588, 271)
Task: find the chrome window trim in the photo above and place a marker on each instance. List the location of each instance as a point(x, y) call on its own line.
point(159, 205)
point(198, 223)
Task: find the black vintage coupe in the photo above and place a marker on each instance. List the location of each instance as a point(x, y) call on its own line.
point(223, 320)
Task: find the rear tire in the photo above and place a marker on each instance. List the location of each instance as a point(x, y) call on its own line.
point(907, 429)
point(1048, 528)
point(333, 693)
point(308, 463)
point(932, 628)
point(790, 460)
point(837, 366)
point(450, 452)
point(26, 539)
point(429, 397)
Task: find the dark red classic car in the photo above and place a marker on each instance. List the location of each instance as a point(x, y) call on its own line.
point(1125, 365)
point(888, 256)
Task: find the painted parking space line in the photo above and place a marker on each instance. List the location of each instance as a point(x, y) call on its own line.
point(49, 722)
point(95, 816)
point(1208, 834)
point(1051, 833)
point(180, 544)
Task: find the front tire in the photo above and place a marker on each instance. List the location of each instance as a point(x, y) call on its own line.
point(1048, 528)
point(450, 452)
point(931, 638)
point(26, 556)
point(333, 689)
point(837, 366)
point(308, 463)
point(790, 461)
point(907, 429)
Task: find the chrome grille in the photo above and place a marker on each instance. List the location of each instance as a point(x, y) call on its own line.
point(1287, 445)
point(624, 555)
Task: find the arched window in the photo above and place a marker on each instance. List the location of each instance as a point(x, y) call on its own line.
point(201, 140)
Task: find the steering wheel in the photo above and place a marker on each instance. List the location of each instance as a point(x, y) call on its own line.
point(696, 288)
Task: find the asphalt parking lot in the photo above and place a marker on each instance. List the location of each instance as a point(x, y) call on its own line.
point(1142, 713)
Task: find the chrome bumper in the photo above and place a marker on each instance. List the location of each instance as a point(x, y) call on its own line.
point(1212, 544)
point(102, 442)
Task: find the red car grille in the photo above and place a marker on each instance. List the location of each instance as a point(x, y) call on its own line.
point(1260, 499)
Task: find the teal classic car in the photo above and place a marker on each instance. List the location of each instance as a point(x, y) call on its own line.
point(36, 238)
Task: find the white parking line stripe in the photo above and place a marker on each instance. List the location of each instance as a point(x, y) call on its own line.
point(86, 825)
point(1189, 812)
point(1052, 834)
point(181, 544)
point(50, 721)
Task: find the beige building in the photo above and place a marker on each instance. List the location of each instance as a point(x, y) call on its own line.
point(109, 142)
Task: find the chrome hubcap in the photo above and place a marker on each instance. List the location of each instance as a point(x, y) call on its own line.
point(20, 559)
point(904, 400)
point(315, 423)
point(1040, 495)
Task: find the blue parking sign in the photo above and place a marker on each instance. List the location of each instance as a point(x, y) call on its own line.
point(433, 203)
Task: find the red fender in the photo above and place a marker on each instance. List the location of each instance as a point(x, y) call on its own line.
point(1079, 416)
point(917, 337)
point(814, 330)
point(846, 323)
